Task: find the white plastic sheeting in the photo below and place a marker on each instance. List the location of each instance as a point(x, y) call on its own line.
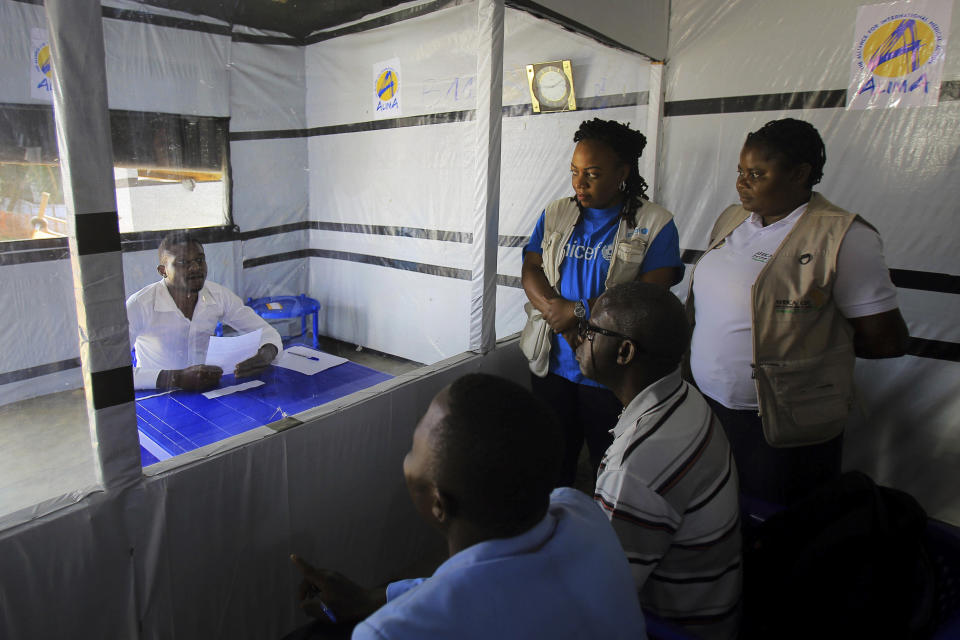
point(899, 168)
point(393, 254)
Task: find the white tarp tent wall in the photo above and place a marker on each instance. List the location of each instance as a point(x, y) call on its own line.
point(377, 220)
point(345, 212)
point(735, 65)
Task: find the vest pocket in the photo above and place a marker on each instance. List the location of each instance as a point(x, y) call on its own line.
point(535, 341)
point(632, 252)
point(806, 401)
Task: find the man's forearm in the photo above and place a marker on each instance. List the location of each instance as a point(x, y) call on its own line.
point(168, 379)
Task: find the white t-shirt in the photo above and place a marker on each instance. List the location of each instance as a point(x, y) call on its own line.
point(165, 339)
point(722, 346)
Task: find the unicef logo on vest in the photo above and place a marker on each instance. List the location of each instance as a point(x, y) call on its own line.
point(607, 252)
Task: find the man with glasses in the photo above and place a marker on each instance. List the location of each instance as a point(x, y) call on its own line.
point(668, 482)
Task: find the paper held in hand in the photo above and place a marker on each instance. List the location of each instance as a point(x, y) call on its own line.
point(227, 352)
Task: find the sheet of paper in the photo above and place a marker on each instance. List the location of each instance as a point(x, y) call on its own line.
point(225, 391)
point(307, 361)
point(226, 352)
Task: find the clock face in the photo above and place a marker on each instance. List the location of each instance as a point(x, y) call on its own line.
point(553, 84)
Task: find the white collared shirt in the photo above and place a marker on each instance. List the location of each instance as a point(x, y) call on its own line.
point(721, 349)
point(166, 340)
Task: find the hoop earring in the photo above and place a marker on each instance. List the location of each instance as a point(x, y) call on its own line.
point(623, 185)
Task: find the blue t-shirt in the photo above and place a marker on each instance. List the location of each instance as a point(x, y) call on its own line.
point(583, 271)
point(566, 578)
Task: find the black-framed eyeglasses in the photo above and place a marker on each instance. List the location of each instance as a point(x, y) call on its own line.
point(587, 331)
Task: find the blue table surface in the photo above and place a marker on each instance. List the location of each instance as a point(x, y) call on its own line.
point(180, 421)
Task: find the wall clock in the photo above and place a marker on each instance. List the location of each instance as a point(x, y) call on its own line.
point(551, 86)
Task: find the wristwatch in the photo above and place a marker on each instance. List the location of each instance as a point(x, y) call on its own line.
point(580, 310)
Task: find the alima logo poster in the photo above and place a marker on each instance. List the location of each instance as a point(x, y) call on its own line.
point(41, 68)
point(898, 54)
point(386, 90)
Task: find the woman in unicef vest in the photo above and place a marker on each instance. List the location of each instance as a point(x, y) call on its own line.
point(606, 233)
point(789, 292)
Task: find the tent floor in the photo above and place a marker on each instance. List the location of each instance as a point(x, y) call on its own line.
point(45, 441)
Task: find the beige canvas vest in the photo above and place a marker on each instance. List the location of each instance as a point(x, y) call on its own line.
point(803, 353)
point(629, 249)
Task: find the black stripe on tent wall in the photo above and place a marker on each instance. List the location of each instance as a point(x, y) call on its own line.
point(824, 99)
point(936, 349)
point(27, 251)
point(250, 38)
point(366, 229)
point(39, 370)
point(445, 117)
point(902, 278)
point(380, 261)
point(590, 103)
point(166, 21)
point(129, 15)
point(383, 21)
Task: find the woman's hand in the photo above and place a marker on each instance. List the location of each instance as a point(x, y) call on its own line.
point(558, 312)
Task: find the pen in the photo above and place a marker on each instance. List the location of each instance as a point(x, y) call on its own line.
point(300, 355)
point(327, 612)
point(314, 594)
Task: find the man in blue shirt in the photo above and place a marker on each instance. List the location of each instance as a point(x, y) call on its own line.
point(524, 562)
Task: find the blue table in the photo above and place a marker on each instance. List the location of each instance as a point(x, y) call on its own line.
point(180, 421)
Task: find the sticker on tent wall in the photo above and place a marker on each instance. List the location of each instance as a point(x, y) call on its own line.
point(386, 90)
point(41, 65)
point(898, 54)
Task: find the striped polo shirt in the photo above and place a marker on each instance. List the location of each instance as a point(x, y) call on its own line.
point(669, 485)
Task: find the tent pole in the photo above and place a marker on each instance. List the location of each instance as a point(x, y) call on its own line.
point(86, 164)
point(483, 300)
point(654, 127)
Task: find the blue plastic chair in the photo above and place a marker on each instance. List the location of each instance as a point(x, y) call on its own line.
point(280, 307)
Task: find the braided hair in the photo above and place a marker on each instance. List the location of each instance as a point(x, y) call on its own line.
point(628, 144)
point(797, 141)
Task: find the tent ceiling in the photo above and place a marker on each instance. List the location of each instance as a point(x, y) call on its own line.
point(297, 18)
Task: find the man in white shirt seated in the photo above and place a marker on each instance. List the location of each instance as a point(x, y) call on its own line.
point(171, 322)
point(668, 482)
point(524, 562)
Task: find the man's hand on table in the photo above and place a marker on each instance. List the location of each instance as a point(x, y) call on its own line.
point(345, 599)
point(199, 377)
point(256, 364)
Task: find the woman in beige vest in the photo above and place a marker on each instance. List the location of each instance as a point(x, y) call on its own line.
point(607, 233)
point(790, 290)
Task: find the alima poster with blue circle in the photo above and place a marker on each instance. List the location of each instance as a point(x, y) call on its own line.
point(387, 84)
point(41, 67)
